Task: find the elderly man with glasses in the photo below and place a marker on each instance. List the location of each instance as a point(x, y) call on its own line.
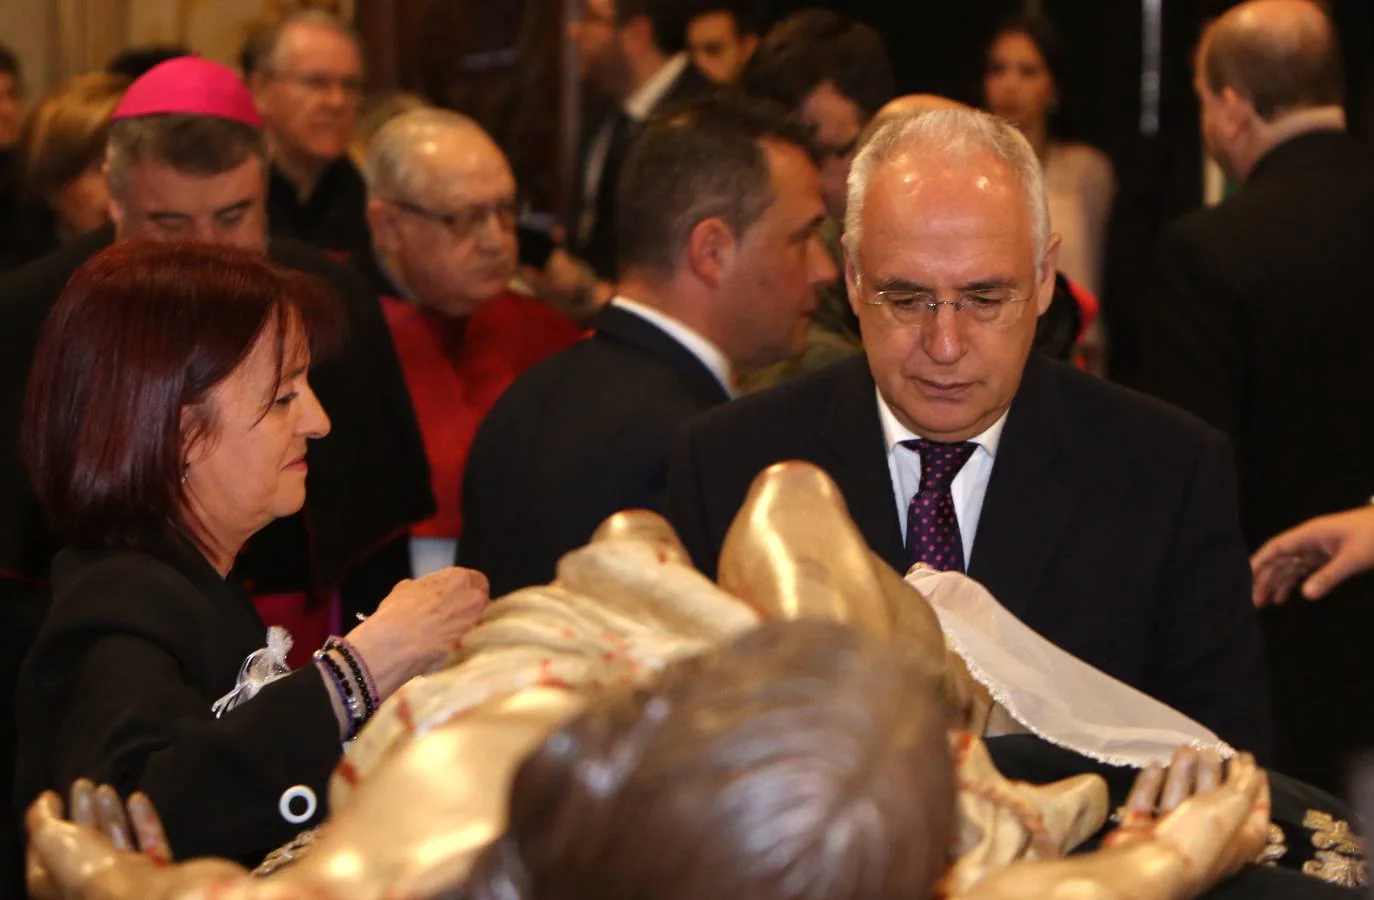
point(442, 206)
point(1105, 520)
point(306, 74)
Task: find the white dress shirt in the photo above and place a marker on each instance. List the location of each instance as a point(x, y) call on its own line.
point(711, 356)
point(637, 106)
point(969, 487)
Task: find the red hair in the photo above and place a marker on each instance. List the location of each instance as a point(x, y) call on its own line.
point(143, 332)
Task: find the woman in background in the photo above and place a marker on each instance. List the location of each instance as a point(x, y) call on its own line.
point(63, 153)
point(1021, 83)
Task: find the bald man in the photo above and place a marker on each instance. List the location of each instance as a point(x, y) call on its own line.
point(442, 207)
point(1261, 324)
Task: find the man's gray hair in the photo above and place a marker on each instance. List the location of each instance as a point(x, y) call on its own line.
point(262, 51)
point(392, 168)
point(941, 136)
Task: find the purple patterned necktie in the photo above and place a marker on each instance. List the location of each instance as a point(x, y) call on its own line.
point(932, 528)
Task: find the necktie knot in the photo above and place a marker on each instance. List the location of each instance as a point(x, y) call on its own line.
point(940, 462)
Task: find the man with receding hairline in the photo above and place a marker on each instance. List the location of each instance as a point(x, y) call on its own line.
point(1104, 520)
point(442, 204)
point(1260, 322)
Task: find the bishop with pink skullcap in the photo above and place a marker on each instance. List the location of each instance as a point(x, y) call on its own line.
point(190, 85)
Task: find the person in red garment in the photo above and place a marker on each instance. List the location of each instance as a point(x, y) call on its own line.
point(442, 206)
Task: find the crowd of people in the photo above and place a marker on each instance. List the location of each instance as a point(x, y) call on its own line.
point(271, 357)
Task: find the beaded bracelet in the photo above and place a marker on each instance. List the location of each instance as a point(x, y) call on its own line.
point(360, 670)
point(335, 678)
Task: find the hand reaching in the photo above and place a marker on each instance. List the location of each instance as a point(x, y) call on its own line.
point(418, 624)
point(1331, 548)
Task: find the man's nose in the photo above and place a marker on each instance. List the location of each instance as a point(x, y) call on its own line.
point(942, 336)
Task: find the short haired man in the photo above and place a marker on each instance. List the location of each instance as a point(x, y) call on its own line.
point(633, 53)
point(1104, 520)
point(442, 204)
point(721, 37)
point(307, 80)
point(834, 74)
point(718, 211)
point(1258, 324)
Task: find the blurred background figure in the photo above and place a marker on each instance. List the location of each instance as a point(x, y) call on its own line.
point(63, 156)
point(722, 36)
point(134, 62)
point(374, 111)
point(833, 73)
point(1021, 83)
point(11, 98)
point(306, 74)
point(11, 122)
point(442, 205)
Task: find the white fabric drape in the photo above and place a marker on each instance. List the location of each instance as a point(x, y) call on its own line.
point(1052, 693)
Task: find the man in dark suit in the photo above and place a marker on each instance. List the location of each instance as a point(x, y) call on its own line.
point(1106, 521)
point(1261, 324)
point(633, 53)
point(718, 212)
point(306, 73)
point(187, 158)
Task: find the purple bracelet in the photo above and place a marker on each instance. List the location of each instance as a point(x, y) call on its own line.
point(330, 668)
point(359, 665)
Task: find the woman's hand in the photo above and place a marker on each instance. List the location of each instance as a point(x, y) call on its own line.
point(1332, 548)
point(418, 624)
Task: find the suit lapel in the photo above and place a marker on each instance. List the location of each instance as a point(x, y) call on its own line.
point(854, 438)
point(1029, 494)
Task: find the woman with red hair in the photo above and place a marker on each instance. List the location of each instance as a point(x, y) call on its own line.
point(168, 418)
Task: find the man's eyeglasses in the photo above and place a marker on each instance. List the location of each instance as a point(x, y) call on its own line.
point(319, 83)
point(464, 223)
point(996, 307)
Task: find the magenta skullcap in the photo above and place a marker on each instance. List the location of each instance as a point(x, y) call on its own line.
point(189, 86)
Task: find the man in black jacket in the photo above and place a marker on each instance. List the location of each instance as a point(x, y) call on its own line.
point(718, 212)
point(187, 159)
point(1261, 324)
point(1104, 520)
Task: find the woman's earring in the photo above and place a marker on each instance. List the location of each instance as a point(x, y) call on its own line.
point(185, 471)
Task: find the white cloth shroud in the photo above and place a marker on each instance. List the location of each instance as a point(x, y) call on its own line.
point(1054, 694)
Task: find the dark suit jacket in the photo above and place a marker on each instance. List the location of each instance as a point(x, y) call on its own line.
point(1262, 323)
point(598, 249)
point(1109, 524)
point(333, 219)
point(581, 436)
point(119, 687)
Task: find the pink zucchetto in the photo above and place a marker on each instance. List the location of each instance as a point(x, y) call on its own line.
point(189, 86)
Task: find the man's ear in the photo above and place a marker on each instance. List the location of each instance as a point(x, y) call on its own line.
point(749, 43)
point(1237, 113)
point(1049, 268)
point(382, 220)
point(116, 208)
point(711, 251)
point(257, 84)
point(851, 277)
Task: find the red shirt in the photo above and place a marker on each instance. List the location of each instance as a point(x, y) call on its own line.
point(455, 369)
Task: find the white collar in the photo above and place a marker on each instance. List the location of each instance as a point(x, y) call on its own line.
point(641, 103)
point(894, 432)
point(711, 356)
